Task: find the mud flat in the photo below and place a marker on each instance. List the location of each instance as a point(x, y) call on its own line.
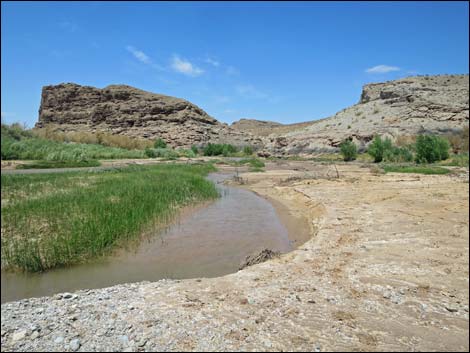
point(387, 269)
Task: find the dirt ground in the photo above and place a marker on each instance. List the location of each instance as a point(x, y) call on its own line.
point(386, 269)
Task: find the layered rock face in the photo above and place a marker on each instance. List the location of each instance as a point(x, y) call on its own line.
point(422, 104)
point(120, 109)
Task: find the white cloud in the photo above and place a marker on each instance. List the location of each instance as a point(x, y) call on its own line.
point(212, 62)
point(185, 67)
point(381, 69)
point(249, 91)
point(139, 55)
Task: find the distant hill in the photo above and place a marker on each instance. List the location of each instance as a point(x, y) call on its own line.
point(265, 128)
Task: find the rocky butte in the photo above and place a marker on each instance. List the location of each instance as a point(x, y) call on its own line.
point(120, 109)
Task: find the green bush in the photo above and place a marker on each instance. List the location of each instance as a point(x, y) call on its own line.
point(216, 149)
point(247, 150)
point(397, 154)
point(195, 150)
point(431, 148)
point(159, 143)
point(150, 152)
point(348, 150)
point(378, 147)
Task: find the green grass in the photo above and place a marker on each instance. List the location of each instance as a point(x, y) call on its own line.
point(415, 169)
point(255, 164)
point(59, 164)
point(42, 149)
point(53, 220)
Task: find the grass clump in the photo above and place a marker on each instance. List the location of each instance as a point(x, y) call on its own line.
point(52, 220)
point(415, 169)
point(195, 150)
point(256, 165)
point(348, 150)
point(458, 160)
point(59, 164)
point(159, 143)
point(247, 150)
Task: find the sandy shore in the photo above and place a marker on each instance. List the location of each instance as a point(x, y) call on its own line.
point(386, 269)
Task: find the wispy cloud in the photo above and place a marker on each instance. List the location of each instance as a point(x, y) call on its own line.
point(185, 67)
point(249, 91)
point(139, 55)
point(381, 69)
point(212, 62)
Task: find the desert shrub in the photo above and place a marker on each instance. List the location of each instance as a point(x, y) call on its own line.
point(15, 131)
point(348, 150)
point(397, 154)
point(378, 147)
point(216, 149)
point(159, 143)
point(247, 150)
point(431, 148)
point(150, 152)
point(188, 153)
point(166, 153)
point(459, 141)
point(457, 160)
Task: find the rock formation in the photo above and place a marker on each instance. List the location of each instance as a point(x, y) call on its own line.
point(421, 104)
point(120, 109)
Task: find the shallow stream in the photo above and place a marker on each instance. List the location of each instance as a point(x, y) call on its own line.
point(209, 241)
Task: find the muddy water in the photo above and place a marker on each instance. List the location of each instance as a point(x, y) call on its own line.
point(210, 241)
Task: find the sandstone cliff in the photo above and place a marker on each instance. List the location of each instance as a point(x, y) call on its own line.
point(121, 109)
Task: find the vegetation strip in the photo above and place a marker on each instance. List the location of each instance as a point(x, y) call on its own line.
point(415, 169)
point(51, 220)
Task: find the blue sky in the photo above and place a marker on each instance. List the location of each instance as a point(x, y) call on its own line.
point(286, 62)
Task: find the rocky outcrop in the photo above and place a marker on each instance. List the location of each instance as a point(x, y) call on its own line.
point(421, 104)
point(433, 104)
point(120, 109)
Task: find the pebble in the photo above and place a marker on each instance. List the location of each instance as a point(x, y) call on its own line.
point(18, 335)
point(452, 308)
point(75, 344)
